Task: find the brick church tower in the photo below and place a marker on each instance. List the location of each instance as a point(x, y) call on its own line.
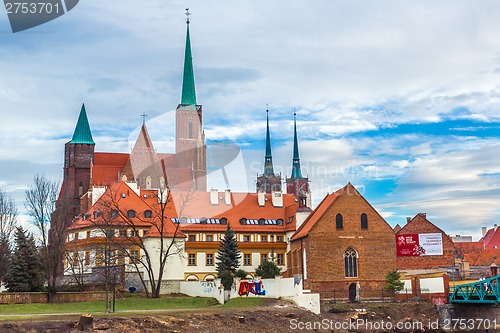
point(268, 181)
point(296, 184)
point(190, 147)
point(78, 158)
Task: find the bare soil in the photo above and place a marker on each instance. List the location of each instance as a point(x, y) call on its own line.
point(275, 316)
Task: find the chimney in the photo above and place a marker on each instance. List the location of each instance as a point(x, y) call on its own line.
point(277, 198)
point(261, 198)
point(308, 200)
point(495, 227)
point(483, 230)
point(214, 200)
point(408, 219)
point(227, 197)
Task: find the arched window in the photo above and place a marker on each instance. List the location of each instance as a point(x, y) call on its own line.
point(339, 221)
point(364, 221)
point(148, 214)
point(131, 213)
point(351, 262)
point(114, 214)
point(80, 189)
point(190, 128)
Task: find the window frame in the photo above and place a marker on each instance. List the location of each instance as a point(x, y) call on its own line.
point(351, 262)
point(364, 221)
point(245, 261)
point(192, 255)
point(209, 255)
point(339, 221)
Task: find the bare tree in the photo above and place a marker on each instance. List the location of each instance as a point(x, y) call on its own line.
point(41, 205)
point(8, 218)
point(130, 233)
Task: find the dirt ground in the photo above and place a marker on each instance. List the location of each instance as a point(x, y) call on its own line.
point(274, 316)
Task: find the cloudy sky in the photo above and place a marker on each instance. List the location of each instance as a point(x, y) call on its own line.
point(399, 98)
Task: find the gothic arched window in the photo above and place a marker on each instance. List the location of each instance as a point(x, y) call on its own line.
point(364, 221)
point(339, 221)
point(351, 262)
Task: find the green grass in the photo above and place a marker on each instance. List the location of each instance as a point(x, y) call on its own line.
point(243, 302)
point(95, 307)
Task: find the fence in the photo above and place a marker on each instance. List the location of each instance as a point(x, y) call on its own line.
point(343, 295)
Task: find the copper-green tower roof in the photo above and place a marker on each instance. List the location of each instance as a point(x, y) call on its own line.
point(268, 162)
point(296, 173)
point(82, 132)
point(188, 91)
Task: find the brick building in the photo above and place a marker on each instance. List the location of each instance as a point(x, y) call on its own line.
point(343, 242)
point(421, 225)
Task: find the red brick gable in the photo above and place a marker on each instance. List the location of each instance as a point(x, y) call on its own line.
point(491, 239)
point(421, 225)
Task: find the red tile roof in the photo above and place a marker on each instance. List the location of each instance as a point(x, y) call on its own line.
point(107, 168)
point(491, 239)
point(316, 215)
point(196, 205)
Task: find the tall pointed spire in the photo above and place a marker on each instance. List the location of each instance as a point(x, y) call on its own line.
point(82, 132)
point(268, 163)
point(188, 91)
point(296, 172)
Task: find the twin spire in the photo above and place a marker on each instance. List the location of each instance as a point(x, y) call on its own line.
point(268, 162)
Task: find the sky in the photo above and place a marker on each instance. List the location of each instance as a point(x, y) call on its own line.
point(399, 98)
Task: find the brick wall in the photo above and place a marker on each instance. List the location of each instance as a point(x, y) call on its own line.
point(420, 225)
point(18, 298)
point(325, 246)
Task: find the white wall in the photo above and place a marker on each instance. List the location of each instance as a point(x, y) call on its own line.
point(275, 288)
point(174, 268)
point(432, 285)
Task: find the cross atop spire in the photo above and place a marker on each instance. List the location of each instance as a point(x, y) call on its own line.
point(296, 172)
point(144, 115)
point(188, 91)
point(268, 163)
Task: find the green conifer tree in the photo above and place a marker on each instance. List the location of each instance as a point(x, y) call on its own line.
point(393, 284)
point(267, 269)
point(25, 271)
point(228, 257)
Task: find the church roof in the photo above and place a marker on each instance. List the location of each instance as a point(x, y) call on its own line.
point(82, 134)
point(188, 90)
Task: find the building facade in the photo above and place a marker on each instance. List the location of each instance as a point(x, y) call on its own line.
point(343, 246)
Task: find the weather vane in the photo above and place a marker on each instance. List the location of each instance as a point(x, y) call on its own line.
point(144, 115)
point(187, 15)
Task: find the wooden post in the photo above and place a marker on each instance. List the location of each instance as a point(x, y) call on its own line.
point(86, 323)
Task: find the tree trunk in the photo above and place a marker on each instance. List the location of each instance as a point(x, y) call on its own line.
point(86, 323)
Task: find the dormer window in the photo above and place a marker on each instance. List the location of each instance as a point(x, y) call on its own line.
point(131, 213)
point(114, 214)
point(148, 214)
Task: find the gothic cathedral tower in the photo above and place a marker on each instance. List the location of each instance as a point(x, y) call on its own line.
point(269, 181)
point(190, 147)
point(78, 157)
point(296, 184)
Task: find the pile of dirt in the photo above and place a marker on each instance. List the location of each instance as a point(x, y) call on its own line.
point(274, 317)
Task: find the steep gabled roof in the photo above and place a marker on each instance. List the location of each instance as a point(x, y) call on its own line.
point(417, 222)
point(82, 134)
point(316, 215)
point(491, 239)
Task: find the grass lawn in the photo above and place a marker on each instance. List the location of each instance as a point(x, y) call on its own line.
point(95, 307)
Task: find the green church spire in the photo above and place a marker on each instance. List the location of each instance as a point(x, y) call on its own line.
point(82, 132)
point(296, 173)
point(268, 163)
point(188, 91)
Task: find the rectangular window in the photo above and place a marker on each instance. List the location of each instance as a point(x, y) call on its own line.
point(192, 259)
point(123, 233)
point(88, 234)
point(281, 259)
point(87, 257)
point(210, 238)
point(75, 259)
point(263, 257)
point(263, 238)
point(192, 238)
point(210, 259)
point(99, 257)
point(134, 256)
point(247, 259)
point(76, 235)
point(279, 238)
point(246, 238)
